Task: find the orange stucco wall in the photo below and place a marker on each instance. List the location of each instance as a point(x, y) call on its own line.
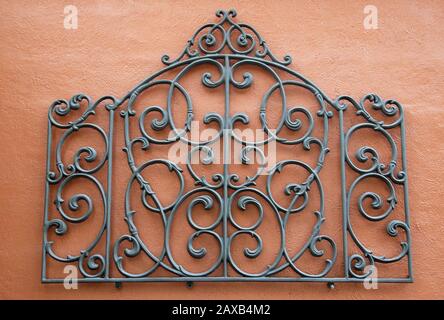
point(118, 43)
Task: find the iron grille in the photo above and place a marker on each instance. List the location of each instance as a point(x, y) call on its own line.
point(224, 49)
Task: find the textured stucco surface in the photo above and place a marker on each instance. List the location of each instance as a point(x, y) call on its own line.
point(118, 43)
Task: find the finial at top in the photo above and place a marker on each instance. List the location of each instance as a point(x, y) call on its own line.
point(217, 38)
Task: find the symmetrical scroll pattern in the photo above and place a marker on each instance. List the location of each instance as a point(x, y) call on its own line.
point(236, 56)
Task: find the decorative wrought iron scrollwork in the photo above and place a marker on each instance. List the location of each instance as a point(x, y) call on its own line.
point(227, 48)
point(204, 41)
point(391, 174)
point(90, 264)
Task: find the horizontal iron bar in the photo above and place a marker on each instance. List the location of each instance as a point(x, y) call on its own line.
point(228, 279)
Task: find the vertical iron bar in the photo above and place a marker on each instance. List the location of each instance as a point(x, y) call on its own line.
point(45, 215)
point(343, 194)
point(406, 194)
point(226, 159)
point(109, 189)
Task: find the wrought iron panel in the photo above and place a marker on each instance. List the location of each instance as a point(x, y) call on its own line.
point(231, 58)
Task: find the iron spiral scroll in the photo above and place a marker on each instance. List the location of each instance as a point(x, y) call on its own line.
point(236, 57)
